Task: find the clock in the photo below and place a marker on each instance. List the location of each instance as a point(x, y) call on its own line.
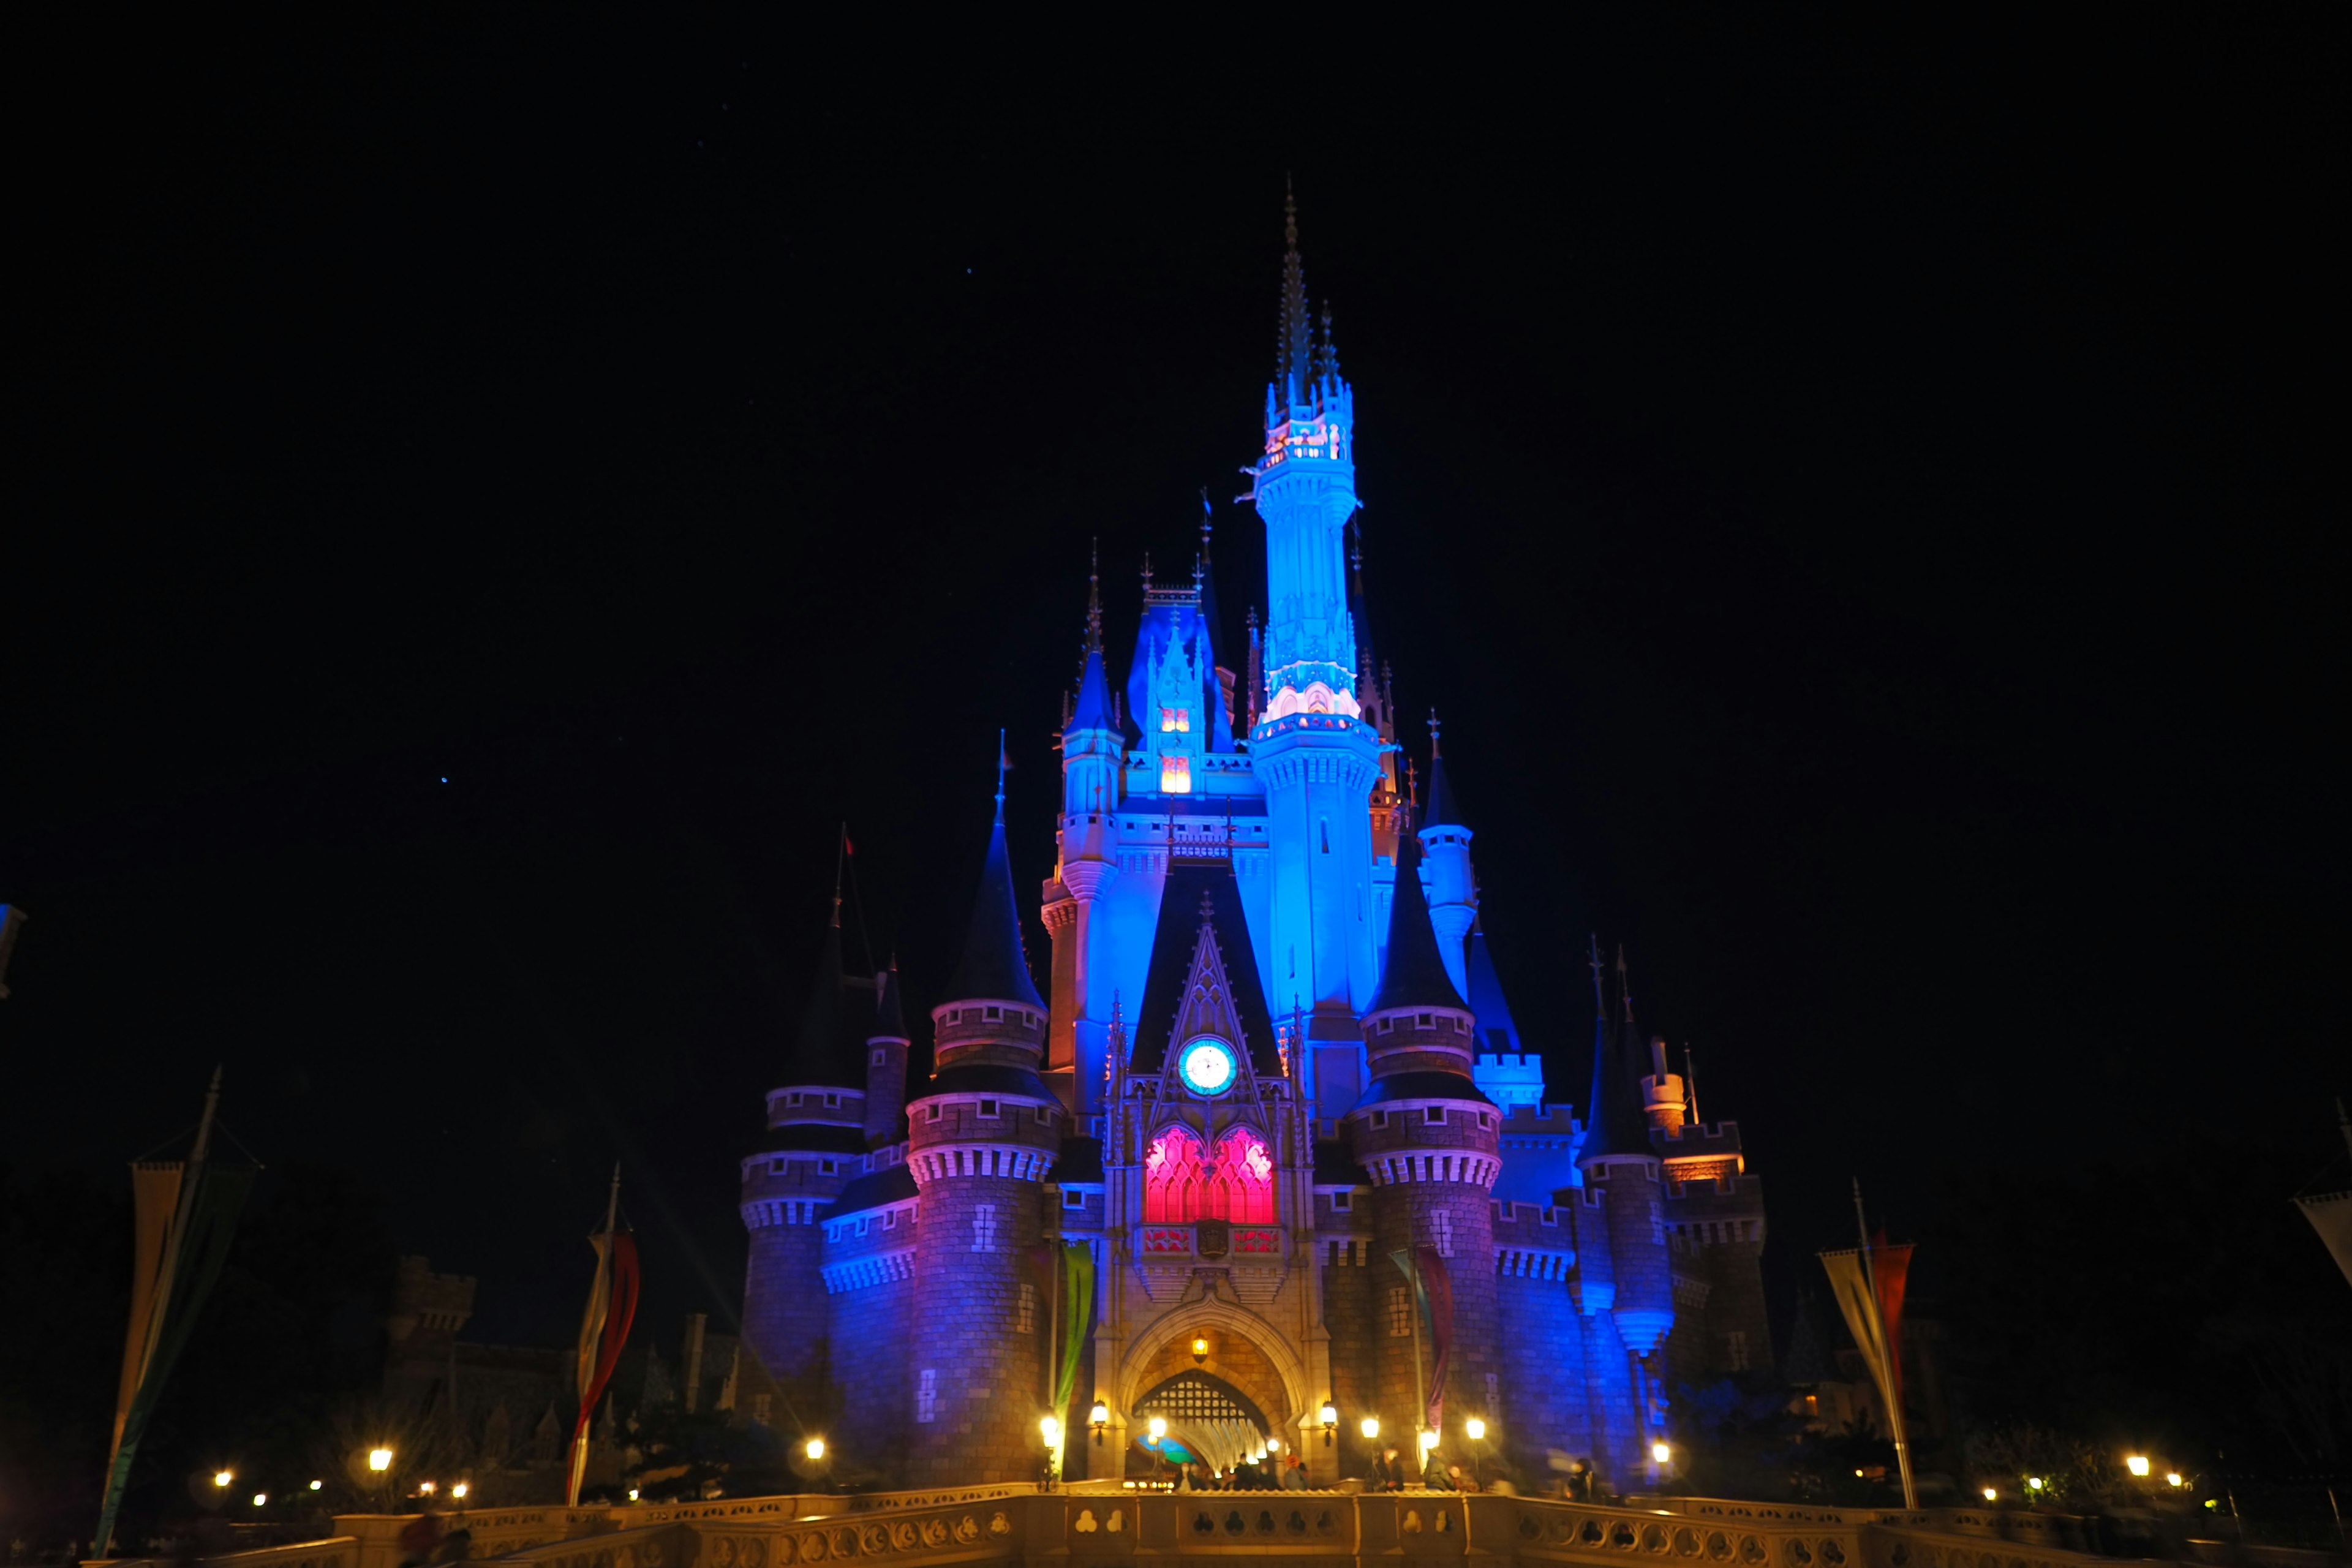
point(1206, 1065)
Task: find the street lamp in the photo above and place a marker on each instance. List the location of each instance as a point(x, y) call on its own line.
point(221, 1479)
point(2172, 1478)
point(813, 1448)
point(261, 1499)
point(2137, 1464)
point(1475, 1429)
point(459, 1491)
point(317, 1485)
point(1156, 1435)
point(1662, 1453)
point(2033, 1483)
point(1330, 1415)
point(379, 1460)
point(426, 1488)
point(1991, 1495)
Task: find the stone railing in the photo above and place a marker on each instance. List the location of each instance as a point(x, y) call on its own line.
point(1103, 1523)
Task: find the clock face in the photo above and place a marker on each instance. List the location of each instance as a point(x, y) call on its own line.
point(1206, 1066)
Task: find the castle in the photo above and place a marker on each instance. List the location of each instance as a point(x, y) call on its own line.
point(1277, 1053)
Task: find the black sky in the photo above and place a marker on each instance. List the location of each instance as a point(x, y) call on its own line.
point(1864, 495)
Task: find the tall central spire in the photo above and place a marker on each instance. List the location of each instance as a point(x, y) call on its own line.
point(1294, 361)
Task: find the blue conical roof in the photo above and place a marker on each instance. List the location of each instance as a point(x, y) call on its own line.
point(1093, 711)
point(1414, 975)
point(1444, 810)
point(994, 964)
point(1613, 1122)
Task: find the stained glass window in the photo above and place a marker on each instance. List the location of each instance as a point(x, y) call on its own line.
point(1179, 1187)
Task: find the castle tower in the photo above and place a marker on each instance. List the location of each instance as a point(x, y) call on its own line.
point(886, 1045)
point(815, 1143)
point(1429, 1140)
point(1662, 1091)
point(1094, 754)
point(985, 1132)
point(1453, 885)
point(1311, 749)
point(1623, 1169)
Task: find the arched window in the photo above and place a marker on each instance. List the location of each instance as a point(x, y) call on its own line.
point(1178, 1188)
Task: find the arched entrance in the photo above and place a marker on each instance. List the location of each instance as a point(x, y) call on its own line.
point(1208, 1419)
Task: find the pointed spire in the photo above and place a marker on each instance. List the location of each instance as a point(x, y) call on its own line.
point(818, 1056)
point(1294, 367)
point(1094, 596)
point(1414, 975)
point(1326, 350)
point(1443, 810)
point(994, 964)
point(1614, 1124)
point(889, 1006)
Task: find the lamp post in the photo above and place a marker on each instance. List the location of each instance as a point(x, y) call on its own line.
point(1475, 1430)
point(1153, 1437)
point(2138, 1465)
point(1051, 1429)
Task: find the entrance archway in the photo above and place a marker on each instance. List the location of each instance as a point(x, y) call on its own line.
point(1244, 1352)
point(1211, 1419)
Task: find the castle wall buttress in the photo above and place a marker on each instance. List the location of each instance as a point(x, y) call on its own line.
point(1349, 1292)
point(975, 1377)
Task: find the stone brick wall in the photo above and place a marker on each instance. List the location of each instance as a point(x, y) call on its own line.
point(1543, 1378)
point(1348, 1295)
point(872, 1329)
point(986, 1381)
point(1413, 1213)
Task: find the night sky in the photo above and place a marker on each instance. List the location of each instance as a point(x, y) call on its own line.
point(489, 491)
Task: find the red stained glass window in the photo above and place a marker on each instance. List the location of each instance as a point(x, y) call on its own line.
point(1178, 1188)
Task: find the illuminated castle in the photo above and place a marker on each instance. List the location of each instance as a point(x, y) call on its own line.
point(1276, 1052)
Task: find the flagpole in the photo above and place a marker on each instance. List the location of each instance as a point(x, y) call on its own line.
point(1420, 1392)
point(1894, 1373)
point(603, 1265)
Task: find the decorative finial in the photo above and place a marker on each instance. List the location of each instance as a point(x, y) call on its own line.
point(1289, 213)
point(1147, 571)
point(1600, 1007)
point(1252, 617)
point(1413, 783)
point(1199, 571)
point(1208, 907)
point(1432, 735)
point(840, 856)
point(1624, 982)
point(1094, 595)
point(1206, 517)
point(1003, 761)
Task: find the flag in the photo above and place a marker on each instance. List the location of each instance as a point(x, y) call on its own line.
point(1433, 1294)
point(1890, 1267)
point(2330, 1214)
point(185, 1216)
point(604, 1330)
point(1849, 1283)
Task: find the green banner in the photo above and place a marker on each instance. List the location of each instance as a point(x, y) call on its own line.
point(1077, 1317)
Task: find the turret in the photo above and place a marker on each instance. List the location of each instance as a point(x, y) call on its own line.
point(1453, 885)
point(1311, 750)
point(887, 1048)
point(1429, 1141)
point(1662, 1090)
point(1093, 757)
point(815, 1143)
point(983, 1132)
point(1617, 1156)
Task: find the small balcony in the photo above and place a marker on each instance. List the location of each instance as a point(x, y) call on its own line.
point(1209, 1240)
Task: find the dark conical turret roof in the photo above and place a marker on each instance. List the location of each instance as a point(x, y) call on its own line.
point(1092, 711)
point(1613, 1122)
point(820, 1054)
point(1444, 810)
point(1414, 975)
point(889, 1010)
point(994, 964)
